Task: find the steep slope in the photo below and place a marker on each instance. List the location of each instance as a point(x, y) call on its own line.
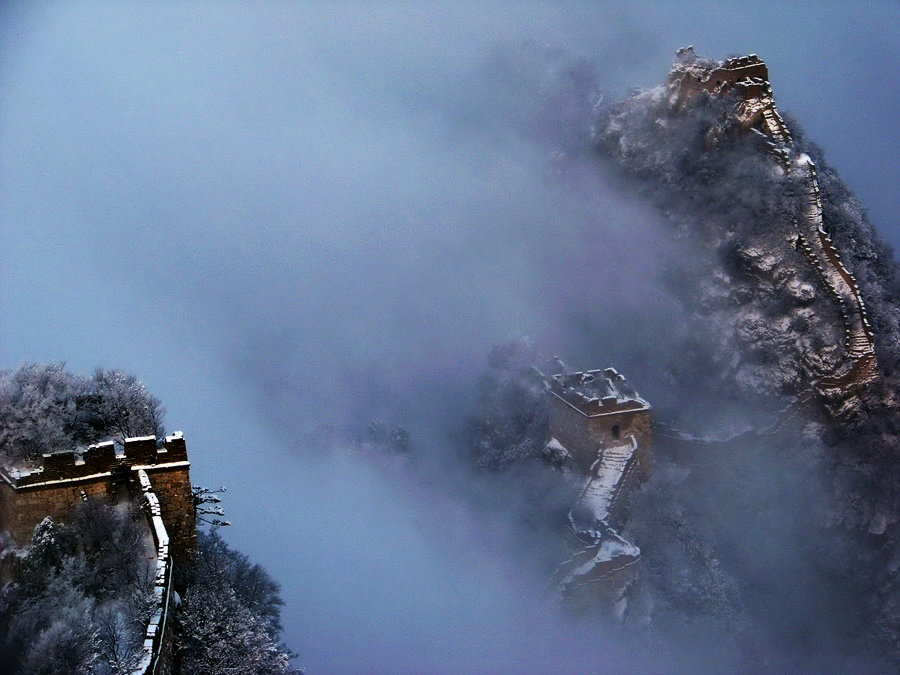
point(795, 298)
point(716, 151)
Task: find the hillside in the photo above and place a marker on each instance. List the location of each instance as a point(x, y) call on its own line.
point(795, 298)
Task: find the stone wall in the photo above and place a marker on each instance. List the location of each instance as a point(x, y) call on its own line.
point(157, 472)
point(157, 651)
point(173, 486)
point(21, 510)
point(102, 471)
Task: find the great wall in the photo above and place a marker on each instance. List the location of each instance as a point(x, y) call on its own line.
point(595, 417)
point(598, 420)
point(747, 77)
point(154, 472)
point(601, 422)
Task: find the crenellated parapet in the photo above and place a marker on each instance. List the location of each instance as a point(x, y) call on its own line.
point(108, 471)
point(97, 460)
point(597, 392)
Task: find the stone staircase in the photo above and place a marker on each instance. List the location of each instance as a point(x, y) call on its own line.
point(604, 561)
point(775, 125)
point(608, 477)
point(817, 245)
point(859, 346)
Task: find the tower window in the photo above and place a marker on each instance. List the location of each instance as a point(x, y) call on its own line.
point(615, 431)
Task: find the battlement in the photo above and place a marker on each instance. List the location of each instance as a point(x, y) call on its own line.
point(597, 392)
point(748, 66)
point(108, 471)
point(98, 460)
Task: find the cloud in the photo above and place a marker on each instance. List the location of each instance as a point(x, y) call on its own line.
point(289, 216)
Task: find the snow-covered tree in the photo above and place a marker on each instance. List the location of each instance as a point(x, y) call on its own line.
point(512, 422)
point(78, 601)
point(119, 626)
point(44, 408)
point(379, 437)
point(37, 409)
point(125, 405)
point(207, 506)
point(229, 621)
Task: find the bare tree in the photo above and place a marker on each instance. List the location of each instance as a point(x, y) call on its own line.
point(206, 506)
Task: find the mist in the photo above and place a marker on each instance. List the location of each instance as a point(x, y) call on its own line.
point(291, 221)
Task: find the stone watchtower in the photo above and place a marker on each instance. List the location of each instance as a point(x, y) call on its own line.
point(107, 471)
point(596, 409)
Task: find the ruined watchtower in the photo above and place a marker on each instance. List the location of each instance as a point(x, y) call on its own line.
point(747, 74)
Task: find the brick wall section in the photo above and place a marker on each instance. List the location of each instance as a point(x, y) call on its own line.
point(21, 511)
point(173, 487)
point(27, 497)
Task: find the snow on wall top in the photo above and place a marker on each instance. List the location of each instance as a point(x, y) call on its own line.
point(597, 392)
point(97, 459)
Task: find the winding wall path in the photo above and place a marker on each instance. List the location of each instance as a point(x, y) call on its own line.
point(604, 555)
point(859, 366)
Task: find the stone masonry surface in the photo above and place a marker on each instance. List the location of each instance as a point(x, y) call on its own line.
point(102, 471)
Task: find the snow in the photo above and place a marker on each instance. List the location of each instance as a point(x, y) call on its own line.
point(166, 465)
point(23, 473)
point(607, 472)
point(613, 548)
point(162, 581)
point(588, 516)
point(556, 446)
point(134, 439)
point(66, 480)
point(610, 548)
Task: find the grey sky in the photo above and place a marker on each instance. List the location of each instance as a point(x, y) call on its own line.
point(285, 215)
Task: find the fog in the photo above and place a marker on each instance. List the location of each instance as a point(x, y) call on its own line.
point(286, 219)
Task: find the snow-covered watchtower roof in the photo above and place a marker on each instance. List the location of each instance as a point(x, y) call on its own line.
point(597, 392)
